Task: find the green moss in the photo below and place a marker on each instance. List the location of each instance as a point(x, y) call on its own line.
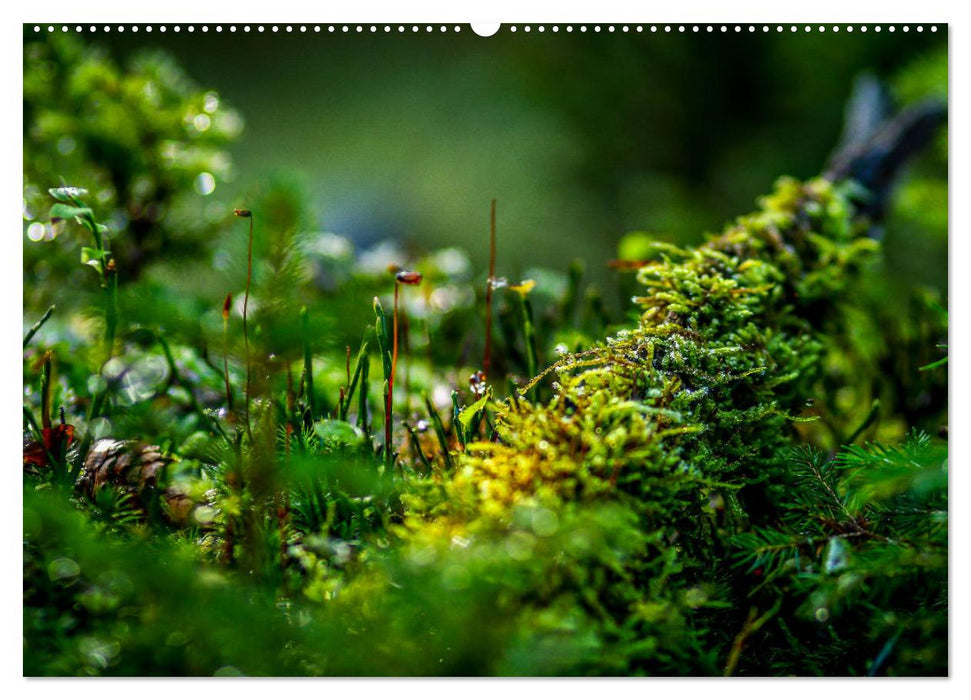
point(681, 422)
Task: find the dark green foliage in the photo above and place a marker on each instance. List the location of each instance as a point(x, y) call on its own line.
point(859, 554)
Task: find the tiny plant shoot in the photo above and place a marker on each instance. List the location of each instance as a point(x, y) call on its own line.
point(411, 278)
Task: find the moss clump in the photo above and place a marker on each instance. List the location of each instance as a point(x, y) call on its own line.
point(678, 427)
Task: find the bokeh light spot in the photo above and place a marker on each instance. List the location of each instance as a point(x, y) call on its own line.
point(205, 184)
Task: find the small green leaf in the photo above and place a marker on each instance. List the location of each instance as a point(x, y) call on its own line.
point(67, 194)
point(456, 409)
point(468, 414)
point(91, 256)
point(362, 411)
point(68, 211)
point(383, 336)
point(362, 359)
point(416, 446)
point(439, 431)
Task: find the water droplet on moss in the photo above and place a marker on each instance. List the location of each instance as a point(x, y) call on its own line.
point(62, 193)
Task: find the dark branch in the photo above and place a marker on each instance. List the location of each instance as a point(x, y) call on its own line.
point(874, 149)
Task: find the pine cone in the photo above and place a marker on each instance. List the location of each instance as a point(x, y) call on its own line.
point(134, 468)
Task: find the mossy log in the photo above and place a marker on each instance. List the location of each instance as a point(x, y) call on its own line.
point(620, 495)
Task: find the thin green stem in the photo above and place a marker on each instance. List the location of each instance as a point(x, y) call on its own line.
point(227, 305)
point(32, 424)
point(867, 422)
point(38, 433)
point(109, 282)
point(111, 309)
point(529, 333)
point(177, 378)
point(229, 389)
point(362, 412)
point(111, 325)
point(389, 404)
point(45, 393)
point(37, 326)
point(751, 626)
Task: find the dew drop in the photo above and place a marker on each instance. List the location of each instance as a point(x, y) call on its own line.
point(67, 192)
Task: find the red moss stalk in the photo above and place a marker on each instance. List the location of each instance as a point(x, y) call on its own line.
point(247, 214)
point(402, 277)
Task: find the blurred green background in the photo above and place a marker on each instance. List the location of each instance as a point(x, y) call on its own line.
point(581, 137)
